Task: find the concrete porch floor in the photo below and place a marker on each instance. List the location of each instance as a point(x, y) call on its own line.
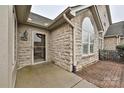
point(48, 75)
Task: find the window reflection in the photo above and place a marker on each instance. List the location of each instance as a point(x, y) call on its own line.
point(88, 36)
point(39, 47)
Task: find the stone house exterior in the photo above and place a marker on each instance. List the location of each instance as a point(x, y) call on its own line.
point(114, 36)
point(70, 41)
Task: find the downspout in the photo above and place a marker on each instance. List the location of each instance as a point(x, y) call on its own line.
point(118, 37)
point(119, 40)
point(68, 21)
point(73, 42)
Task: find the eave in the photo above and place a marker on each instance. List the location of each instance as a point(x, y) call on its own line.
point(59, 19)
point(22, 12)
point(109, 36)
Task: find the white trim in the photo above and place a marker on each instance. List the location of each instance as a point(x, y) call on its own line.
point(117, 40)
point(101, 32)
point(15, 35)
point(46, 57)
point(111, 36)
point(38, 62)
point(100, 38)
point(74, 47)
point(102, 42)
point(81, 7)
point(121, 37)
point(87, 55)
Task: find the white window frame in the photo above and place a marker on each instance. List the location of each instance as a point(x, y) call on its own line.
point(89, 39)
point(100, 43)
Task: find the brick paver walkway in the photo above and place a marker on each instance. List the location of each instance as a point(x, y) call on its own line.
point(104, 74)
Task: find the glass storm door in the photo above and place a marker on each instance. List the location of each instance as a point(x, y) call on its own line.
point(39, 47)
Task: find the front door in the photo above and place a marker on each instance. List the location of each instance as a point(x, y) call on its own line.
point(39, 50)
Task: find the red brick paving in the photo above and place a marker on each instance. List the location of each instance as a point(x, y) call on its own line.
point(104, 74)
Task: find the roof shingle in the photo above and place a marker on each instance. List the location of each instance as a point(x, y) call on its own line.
point(115, 29)
point(38, 19)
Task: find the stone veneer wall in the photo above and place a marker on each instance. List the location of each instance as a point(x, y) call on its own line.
point(104, 19)
point(122, 40)
point(110, 43)
point(77, 21)
point(61, 46)
point(25, 47)
point(103, 16)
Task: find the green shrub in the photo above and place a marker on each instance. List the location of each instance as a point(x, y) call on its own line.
point(120, 47)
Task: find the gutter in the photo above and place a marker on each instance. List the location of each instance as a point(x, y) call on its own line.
point(121, 37)
point(109, 14)
point(111, 36)
point(68, 21)
point(73, 42)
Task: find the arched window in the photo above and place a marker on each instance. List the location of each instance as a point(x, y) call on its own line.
point(87, 36)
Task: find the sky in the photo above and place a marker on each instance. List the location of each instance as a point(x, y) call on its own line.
point(117, 13)
point(52, 11)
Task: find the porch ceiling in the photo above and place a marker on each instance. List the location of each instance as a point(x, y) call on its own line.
point(22, 12)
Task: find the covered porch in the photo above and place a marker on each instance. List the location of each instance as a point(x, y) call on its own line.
point(48, 75)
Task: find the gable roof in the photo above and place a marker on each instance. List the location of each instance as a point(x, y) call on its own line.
point(77, 8)
point(115, 29)
point(43, 22)
point(51, 24)
point(69, 11)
